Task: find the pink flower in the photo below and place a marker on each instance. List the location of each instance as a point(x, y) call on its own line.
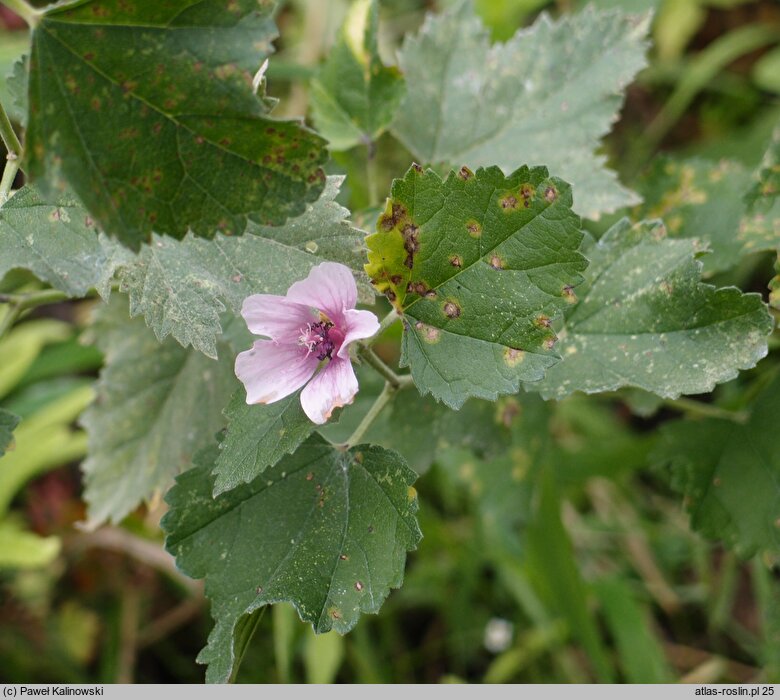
point(310, 330)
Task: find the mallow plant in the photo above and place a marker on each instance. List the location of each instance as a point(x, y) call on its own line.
point(242, 313)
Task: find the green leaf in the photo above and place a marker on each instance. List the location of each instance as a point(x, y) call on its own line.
point(14, 65)
point(774, 286)
point(645, 320)
point(59, 243)
point(704, 201)
point(324, 529)
point(729, 475)
point(699, 200)
point(478, 266)
point(156, 405)
point(21, 549)
point(642, 657)
point(760, 228)
point(148, 111)
point(257, 437)
point(354, 96)
point(8, 422)
point(419, 428)
point(182, 287)
point(546, 96)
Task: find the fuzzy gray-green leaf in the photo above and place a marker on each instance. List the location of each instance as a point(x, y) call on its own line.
point(644, 319)
point(545, 97)
point(59, 243)
point(182, 287)
point(156, 405)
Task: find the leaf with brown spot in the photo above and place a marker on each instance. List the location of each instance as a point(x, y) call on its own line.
point(472, 277)
point(289, 536)
point(644, 319)
point(171, 137)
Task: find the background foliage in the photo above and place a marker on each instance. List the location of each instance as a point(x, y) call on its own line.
point(631, 535)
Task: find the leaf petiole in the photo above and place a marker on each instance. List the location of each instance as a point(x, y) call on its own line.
point(14, 157)
point(376, 408)
point(706, 410)
point(19, 303)
point(28, 13)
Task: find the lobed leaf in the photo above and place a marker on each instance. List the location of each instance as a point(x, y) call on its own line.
point(546, 96)
point(157, 404)
point(729, 474)
point(58, 243)
point(149, 113)
point(477, 265)
point(702, 201)
point(324, 529)
point(182, 287)
point(645, 320)
point(355, 96)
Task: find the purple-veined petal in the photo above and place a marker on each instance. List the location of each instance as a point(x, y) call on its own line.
point(336, 385)
point(277, 317)
point(329, 287)
point(357, 325)
point(270, 371)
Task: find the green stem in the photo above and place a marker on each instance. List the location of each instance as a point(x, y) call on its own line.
point(706, 410)
point(26, 12)
point(14, 157)
point(371, 358)
point(703, 70)
point(371, 174)
point(381, 401)
point(19, 303)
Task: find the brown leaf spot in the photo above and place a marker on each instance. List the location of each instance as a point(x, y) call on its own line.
point(508, 202)
point(542, 321)
point(455, 261)
point(550, 193)
point(496, 262)
point(513, 357)
point(358, 586)
point(568, 294)
point(429, 333)
point(465, 174)
point(451, 309)
point(474, 228)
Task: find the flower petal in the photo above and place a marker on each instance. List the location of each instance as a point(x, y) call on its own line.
point(336, 385)
point(358, 325)
point(270, 371)
point(277, 317)
point(330, 287)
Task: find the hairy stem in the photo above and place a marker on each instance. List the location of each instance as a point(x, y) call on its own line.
point(381, 401)
point(706, 410)
point(28, 13)
point(13, 158)
point(19, 303)
point(371, 358)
